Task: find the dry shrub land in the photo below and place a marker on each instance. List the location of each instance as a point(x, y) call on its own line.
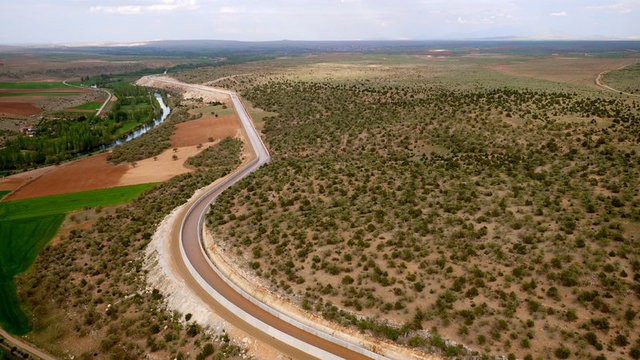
point(504, 218)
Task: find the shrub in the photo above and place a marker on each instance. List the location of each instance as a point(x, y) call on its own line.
point(562, 352)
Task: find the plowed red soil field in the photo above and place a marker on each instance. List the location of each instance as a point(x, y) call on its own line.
point(90, 173)
point(198, 131)
point(18, 108)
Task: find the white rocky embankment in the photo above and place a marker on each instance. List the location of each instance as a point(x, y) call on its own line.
point(176, 293)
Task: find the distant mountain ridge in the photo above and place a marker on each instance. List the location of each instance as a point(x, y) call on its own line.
point(289, 47)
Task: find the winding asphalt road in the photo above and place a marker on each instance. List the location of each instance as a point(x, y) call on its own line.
point(301, 337)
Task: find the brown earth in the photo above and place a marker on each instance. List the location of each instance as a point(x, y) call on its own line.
point(162, 167)
point(93, 172)
point(35, 104)
point(198, 131)
point(22, 99)
point(13, 182)
point(62, 89)
point(18, 108)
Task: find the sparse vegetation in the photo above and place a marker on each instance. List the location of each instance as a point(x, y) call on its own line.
point(486, 210)
point(625, 79)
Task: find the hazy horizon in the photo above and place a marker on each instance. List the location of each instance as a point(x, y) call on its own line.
point(126, 21)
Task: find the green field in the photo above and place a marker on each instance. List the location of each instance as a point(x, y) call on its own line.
point(31, 85)
point(26, 226)
point(56, 204)
point(221, 110)
point(136, 107)
point(93, 105)
point(3, 193)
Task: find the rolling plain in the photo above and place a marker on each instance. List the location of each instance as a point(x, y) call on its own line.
point(466, 202)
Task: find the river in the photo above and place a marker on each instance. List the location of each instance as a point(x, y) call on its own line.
point(143, 130)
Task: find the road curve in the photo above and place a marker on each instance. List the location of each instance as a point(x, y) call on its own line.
point(260, 316)
point(104, 104)
point(600, 83)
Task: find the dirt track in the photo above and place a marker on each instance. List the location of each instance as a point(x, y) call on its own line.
point(600, 83)
point(26, 346)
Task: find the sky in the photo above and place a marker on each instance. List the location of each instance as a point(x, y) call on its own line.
point(96, 21)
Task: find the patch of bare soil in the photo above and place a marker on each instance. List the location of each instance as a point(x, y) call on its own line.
point(14, 182)
point(199, 131)
point(35, 103)
point(18, 108)
point(62, 89)
point(189, 139)
point(188, 93)
point(93, 172)
point(162, 167)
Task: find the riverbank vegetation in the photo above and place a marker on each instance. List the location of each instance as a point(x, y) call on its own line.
point(155, 140)
point(63, 136)
point(503, 217)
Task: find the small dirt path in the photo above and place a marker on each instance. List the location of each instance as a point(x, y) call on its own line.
point(25, 346)
point(600, 83)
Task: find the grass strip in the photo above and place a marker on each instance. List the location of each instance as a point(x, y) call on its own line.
point(22, 239)
point(55, 204)
point(93, 105)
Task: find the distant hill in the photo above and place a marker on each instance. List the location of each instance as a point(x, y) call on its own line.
point(284, 47)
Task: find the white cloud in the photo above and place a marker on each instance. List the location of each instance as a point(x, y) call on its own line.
point(485, 20)
point(229, 10)
point(120, 10)
point(158, 6)
point(481, 12)
point(559, 13)
point(622, 7)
